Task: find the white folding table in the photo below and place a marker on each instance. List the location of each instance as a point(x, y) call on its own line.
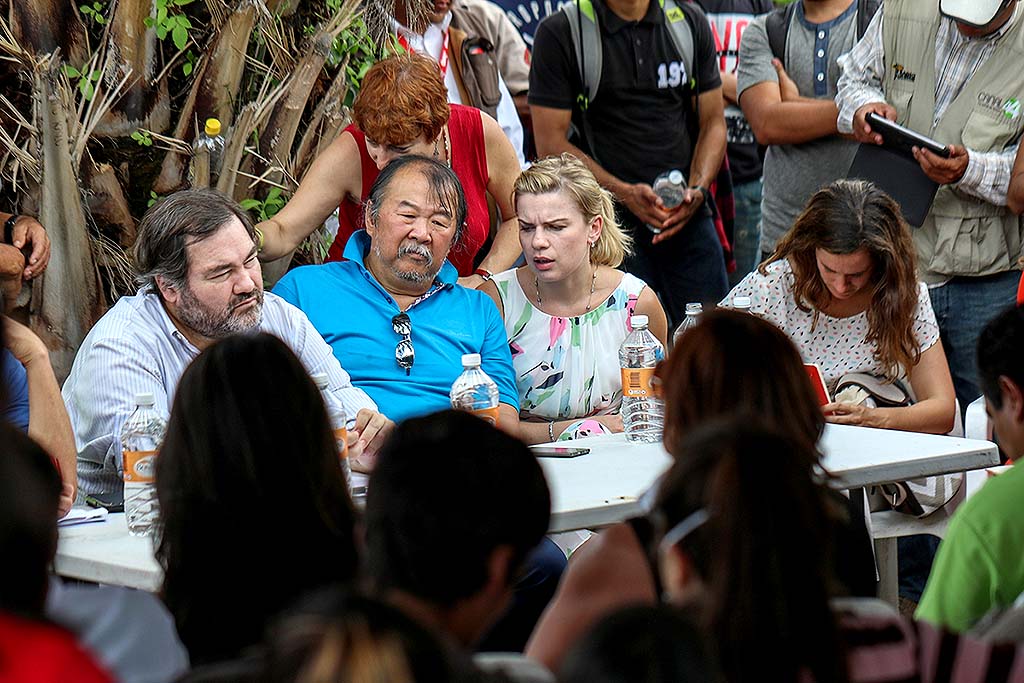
point(604, 486)
point(593, 490)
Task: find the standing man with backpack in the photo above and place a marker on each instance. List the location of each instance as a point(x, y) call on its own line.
point(786, 84)
point(638, 81)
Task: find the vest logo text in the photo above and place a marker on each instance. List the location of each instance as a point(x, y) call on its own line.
point(1008, 107)
point(899, 73)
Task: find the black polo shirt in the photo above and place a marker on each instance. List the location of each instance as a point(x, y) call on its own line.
point(642, 115)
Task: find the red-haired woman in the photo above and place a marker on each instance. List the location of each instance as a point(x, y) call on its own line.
point(402, 108)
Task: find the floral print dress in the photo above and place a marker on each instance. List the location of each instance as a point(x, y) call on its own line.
point(568, 368)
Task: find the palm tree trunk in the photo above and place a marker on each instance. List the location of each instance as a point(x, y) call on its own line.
point(133, 49)
point(66, 299)
point(42, 26)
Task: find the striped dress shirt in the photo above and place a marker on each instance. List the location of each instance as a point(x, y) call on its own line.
point(957, 59)
point(135, 348)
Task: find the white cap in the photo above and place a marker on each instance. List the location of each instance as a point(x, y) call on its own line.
point(145, 399)
point(320, 379)
point(694, 308)
point(741, 302)
point(636, 321)
point(470, 360)
point(977, 13)
point(675, 176)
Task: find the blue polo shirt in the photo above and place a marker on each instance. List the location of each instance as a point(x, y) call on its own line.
point(353, 313)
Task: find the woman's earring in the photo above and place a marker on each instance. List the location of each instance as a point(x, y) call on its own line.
point(436, 151)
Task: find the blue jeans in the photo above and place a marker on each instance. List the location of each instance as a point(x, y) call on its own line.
point(687, 267)
point(746, 248)
point(531, 594)
point(963, 306)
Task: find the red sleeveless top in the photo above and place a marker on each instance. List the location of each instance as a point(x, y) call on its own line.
point(469, 161)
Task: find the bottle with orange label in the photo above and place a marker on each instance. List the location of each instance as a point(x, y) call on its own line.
point(339, 424)
point(141, 437)
point(475, 391)
point(643, 415)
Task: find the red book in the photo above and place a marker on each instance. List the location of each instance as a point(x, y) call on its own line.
point(818, 382)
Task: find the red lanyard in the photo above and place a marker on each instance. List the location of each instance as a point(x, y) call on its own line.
point(442, 61)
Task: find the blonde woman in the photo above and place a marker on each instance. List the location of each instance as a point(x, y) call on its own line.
point(567, 310)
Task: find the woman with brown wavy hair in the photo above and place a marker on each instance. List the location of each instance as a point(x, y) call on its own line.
point(843, 285)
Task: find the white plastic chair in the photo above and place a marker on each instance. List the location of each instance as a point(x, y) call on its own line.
point(888, 525)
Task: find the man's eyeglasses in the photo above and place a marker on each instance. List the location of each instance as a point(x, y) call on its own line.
point(404, 353)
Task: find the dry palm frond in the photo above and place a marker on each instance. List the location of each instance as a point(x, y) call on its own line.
point(252, 116)
point(115, 263)
point(277, 138)
point(219, 11)
point(280, 43)
point(16, 158)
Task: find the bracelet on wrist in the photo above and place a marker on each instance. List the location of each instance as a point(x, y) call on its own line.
point(551, 430)
point(484, 273)
point(258, 238)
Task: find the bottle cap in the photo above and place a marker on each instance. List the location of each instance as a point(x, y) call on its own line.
point(675, 176)
point(741, 302)
point(636, 321)
point(320, 379)
point(145, 399)
point(212, 127)
point(694, 309)
point(471, 360)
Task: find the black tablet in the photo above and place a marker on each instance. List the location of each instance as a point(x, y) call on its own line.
point(903, 138)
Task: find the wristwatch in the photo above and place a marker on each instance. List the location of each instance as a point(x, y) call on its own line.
point(484, 273)
point(9, 228)
point(704, 191)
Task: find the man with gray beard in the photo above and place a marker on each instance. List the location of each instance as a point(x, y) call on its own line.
point(195, 256)
point(393, 312)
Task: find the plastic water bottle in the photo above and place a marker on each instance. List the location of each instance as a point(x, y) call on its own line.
point(741, 303)
point(141, 437)
point(474, 391)
point(339, 425)
point(208, 151)
point(671, 188)
point(693, 312)
point(643, 415)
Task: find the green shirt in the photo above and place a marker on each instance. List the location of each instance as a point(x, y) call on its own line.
point(980, 563)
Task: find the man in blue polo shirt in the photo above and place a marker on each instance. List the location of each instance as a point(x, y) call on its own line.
point(392, 312)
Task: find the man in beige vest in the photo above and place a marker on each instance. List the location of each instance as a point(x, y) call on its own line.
point(952, 70)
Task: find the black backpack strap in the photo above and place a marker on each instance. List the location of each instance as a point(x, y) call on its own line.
point(865, 13)
point(776, 25)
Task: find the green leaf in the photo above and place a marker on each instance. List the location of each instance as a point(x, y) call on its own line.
point(71, 72)
point(87, 88)
point(147, 142)
point(100, 20)
point(149, 22)
point(161, 16)
point(95, 75)
point(186, 68)
point(249, 204)
point(183, 20)
point(182, 3)
point(180, 37)
point(137, 136)
point(274, 193)
point(161, 31)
